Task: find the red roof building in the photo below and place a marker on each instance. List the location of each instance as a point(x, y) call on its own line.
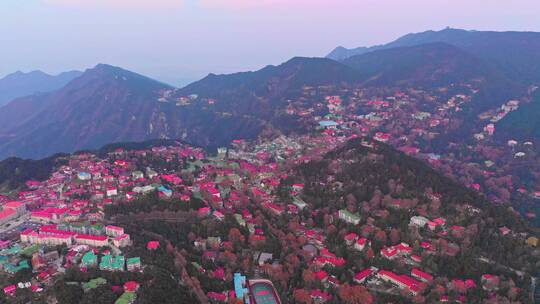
point(152, 245)
point(422, 276)
point(402, 281)
point(363, 275)
point(131, 286)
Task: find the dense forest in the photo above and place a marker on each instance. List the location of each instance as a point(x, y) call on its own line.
point(14, 171)
point(522, 124)
point(386, 188)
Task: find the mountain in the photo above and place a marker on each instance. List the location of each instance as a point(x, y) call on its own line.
point(21, 84)
point(105, 104)
point(260, 97)
point(380, 178)
point(428, 64)
point(501, 48)
point(274, 81)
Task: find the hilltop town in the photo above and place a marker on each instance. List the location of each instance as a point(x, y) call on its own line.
point(332, 216)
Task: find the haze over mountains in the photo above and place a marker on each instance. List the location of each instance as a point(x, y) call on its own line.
point(108, 104)
point(105, 104)
point(20, 84)
point(514, 52)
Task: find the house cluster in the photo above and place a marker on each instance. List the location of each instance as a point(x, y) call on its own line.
point(251, 187)
point(67, 210)
point(399, 118)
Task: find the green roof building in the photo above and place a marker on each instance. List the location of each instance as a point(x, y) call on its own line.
point(94, 283)
point(126, 298)
point(30, 250)
point(118, 263)
point(89, 259)
point(133, 263)
point(12, 269)
point(106, 262)
point(15, 249)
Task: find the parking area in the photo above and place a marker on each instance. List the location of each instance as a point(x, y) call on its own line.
point(13, 228)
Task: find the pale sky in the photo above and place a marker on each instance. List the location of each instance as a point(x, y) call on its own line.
point(178, 41)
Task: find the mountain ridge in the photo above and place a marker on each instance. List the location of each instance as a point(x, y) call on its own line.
point(20, 84)
point(497, 47)
point(73, 117)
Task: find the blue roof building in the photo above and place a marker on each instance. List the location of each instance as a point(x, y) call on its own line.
point(165, 191)
point(328, 123)
point(240, 288)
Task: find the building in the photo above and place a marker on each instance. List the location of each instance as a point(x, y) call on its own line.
point(396, 251)
point(300, 203)
point(112, 191)
point(349, 217)
point(404, 282)
point(89, 259)
point(12, 269)
point(133, 264)
point(110, 263)
point(490, 129)
point(364, 274)
point(49, 237)
point(144, 190)
point(126, 298)
point(165, 191)
point(7, 215)
point(532, 241)
point(137, 174)
point(151, 173)
point(19, 207)
point(350, 238)
point(328, 124)
point(122, 240)
point(418, 221)
point(361, 243)
point(152, 245)
point(91, 240)
point(114, 231)
point(84, 176)
point(262, 292)
point(422, 276)
point(240, 287)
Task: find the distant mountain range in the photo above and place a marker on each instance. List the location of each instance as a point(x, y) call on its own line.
point(260, 93)
point(426, 64)
point(517, 53)
point(21, 84)
point(107, 104)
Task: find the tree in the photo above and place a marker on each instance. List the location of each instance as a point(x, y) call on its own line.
point(380, 236)
point(308, 276)
point(394, 236)
point(236, 237)
point(369, 253)
point(356, 294)
point(68, 293)
point(302, 296)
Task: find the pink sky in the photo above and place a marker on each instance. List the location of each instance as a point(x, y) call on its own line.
point(182, 40)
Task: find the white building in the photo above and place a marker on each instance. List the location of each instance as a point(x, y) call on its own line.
point(418, 221)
